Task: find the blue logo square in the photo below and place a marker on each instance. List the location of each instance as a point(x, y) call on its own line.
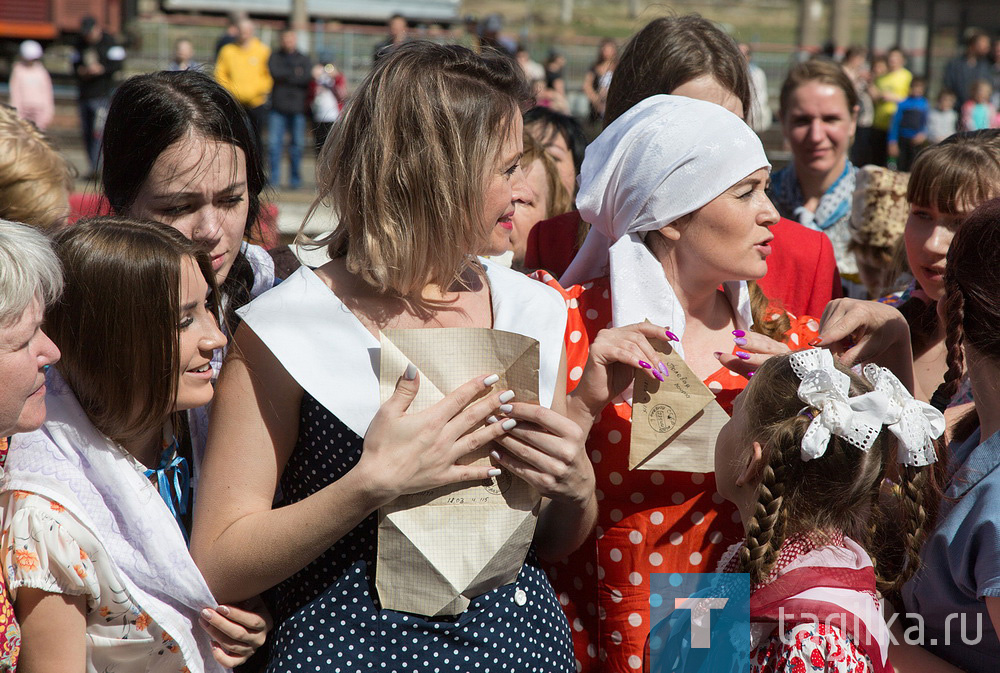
point(700, 622)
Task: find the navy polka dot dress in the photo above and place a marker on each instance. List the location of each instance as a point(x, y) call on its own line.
point(328, 618)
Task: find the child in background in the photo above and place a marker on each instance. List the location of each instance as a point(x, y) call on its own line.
point(878, 218)
point(908, 130)
point(31, 86)
point(943, 119)
point(807, 481)
point(327, 93)
point(979, 113)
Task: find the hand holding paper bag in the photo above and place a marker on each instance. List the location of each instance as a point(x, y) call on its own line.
point(439, 548)
point(674, 423)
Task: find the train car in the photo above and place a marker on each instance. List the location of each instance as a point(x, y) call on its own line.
point(46, 20)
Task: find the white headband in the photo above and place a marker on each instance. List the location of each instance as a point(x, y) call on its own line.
point(858, 420)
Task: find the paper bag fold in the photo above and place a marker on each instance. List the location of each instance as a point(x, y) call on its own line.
point(674, 423)
point(439, 549)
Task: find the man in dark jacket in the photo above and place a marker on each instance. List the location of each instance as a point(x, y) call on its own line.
point(963, 71)
point(96, 58)
point(292, 72)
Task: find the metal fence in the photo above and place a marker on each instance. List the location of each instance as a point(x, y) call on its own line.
point(351, 48)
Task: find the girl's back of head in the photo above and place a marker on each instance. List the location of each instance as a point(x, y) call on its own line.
point(117, 321)
point(669, 52)
point(406, 165)
point(836, 491)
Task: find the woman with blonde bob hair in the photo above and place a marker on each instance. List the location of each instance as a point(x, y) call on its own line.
point(35, 180)
point(423, 171)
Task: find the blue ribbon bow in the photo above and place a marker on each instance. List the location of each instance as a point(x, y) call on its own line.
point(177, 496)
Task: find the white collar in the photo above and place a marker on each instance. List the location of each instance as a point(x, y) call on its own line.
point(322, 345)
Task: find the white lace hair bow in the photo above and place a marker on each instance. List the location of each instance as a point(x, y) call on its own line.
point(859, 419)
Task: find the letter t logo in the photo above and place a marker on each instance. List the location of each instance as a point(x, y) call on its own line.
point(701, 621)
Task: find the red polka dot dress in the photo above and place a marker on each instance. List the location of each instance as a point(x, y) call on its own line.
point(649, 521)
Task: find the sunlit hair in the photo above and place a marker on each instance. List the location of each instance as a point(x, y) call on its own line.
point(406, 164)
point(558, 201)
point(29, 271)
point(957, 174)
point(954, 176)
point(117, 324)
point(669, 52)
point(838, 491)
point(35, 179)
point(820, 70)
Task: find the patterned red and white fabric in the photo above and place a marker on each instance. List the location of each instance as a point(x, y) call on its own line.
point(831, 585)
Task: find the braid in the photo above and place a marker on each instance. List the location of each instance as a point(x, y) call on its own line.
point(955, 310)
point(766, 528)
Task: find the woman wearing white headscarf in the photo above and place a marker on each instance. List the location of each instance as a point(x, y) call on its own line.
point(674, 191)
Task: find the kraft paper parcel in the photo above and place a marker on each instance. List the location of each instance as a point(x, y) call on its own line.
point(674, 423)
point(439, 549)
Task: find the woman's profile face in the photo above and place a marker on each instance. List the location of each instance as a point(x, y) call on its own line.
point(729, 237)
point(199, 335)
point(505, 185)
point(199, 187)
point(25, 350)
point(819, 126)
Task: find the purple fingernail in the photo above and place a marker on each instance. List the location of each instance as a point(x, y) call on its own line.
point(663, 370)
point(742, 356)
point(671, 335)
point(739, 333)
point(750, 375)
point(645, 365)
point(717, 354)
point(659, 377)
point(740, 341)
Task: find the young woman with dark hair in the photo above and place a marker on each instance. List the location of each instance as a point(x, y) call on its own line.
point(198, 169)
point(95, 500)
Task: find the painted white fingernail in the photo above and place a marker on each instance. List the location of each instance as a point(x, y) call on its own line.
point(490, 380)
point(411, 372)
point(506, 408)
point(495, 455)
point(508, 424)
point(494, 472)
point(492, 419)
point(506, 396)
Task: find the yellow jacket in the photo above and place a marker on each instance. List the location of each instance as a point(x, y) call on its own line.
point(243, 71)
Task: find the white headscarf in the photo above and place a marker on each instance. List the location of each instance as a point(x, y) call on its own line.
point(665, 158)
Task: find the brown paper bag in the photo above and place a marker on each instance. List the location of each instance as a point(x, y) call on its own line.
point(674, 423)
point(439, 549)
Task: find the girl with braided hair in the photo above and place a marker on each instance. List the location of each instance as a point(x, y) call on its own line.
point(960, 573)
point(809, 485)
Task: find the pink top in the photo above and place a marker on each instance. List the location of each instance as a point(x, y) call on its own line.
point(31, 93)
